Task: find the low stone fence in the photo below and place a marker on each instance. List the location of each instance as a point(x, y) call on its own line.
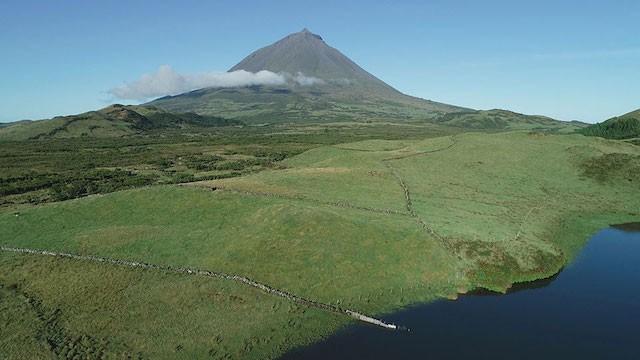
point(198, 272)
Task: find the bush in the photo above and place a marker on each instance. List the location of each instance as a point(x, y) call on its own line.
point(99, 181)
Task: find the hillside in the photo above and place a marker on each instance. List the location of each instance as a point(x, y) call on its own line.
point(112, 121)
point(448, 215)
point(501, 120)
point(6, 124)
point(622, 127)
point(324, 85)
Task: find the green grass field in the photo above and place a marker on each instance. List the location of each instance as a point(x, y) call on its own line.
point(53, 308)
point(48, 170)
point(331, 224)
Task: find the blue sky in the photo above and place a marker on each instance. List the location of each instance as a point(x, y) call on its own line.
point(572, 60)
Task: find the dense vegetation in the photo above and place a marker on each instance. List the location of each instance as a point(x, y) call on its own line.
point(332, 223)
point(493, 120)
point(58, 169)
point(623, 127)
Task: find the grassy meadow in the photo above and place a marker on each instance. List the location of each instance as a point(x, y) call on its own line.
point(55, 308)
point(347, 217)
point(48, 170)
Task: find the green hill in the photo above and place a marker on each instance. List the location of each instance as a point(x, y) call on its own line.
point(503, 120)
point(112, 121)
point(622, 127)
point(375, 226)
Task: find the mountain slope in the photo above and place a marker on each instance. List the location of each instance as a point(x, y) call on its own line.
point(626, 126)
point(497, 120)
point(324, 85)
point(112, 121)
point(308, 54)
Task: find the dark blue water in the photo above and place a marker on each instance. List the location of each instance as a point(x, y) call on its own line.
point(591, 310)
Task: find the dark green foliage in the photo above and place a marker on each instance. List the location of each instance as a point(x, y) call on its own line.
point(623, 127)
point(162, 119)
point(44, 170)
point(498, 120)
point(182, 178)
point(276, 155)
point(240, 164)
point(495, 268)
point(25, 183)
point(99, 181)
point(202, 162)
point(614, 166)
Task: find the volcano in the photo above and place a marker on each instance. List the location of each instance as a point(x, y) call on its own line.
point(307, 54)
point(323, 85)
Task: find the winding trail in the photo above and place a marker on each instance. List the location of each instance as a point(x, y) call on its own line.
point(206, 273)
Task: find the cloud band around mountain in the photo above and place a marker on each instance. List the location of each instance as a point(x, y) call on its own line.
point(166, 81)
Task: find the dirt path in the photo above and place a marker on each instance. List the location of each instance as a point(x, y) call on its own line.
point(206, 273)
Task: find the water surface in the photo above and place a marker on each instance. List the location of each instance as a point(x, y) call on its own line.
point(591, 310)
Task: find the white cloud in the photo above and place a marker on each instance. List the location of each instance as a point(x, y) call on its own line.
point(303, 80)
point(166, 81)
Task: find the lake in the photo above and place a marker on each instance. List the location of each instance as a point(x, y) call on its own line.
point(590, 310)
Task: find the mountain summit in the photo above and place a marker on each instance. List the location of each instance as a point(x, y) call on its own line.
point(306, 53)
point(323, 85)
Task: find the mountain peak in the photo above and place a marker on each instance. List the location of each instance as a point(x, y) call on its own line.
point(307, 53)
point(306, 32)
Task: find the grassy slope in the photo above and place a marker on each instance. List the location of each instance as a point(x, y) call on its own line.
point(501, 120)
point(479, 194)
point(63, 128)
point(500, 199)
point(112, 121)
point(623, 127)
point(140, 314)
point(294, 245)
point(269, 105)
point(320, 104)
point(497, 199)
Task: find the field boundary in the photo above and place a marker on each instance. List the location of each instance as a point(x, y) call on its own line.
point(407, 194)
point(206, 273)
point(410, 211)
